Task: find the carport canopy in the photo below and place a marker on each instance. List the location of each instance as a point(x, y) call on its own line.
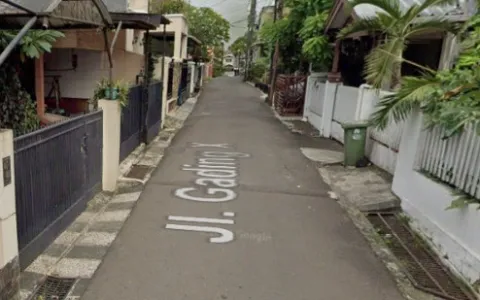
point(54, 14)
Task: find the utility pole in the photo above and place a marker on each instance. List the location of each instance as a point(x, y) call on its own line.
point(276, 54)
point(251, 28)
point(270, 74)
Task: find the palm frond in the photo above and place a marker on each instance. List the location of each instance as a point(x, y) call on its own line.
point(391, 7)
point(398, 106)
point(383, 61)
point(433, 25)
point(367, 24)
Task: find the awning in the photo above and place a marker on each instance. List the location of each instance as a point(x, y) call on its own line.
point(54, 14)
point(132, 20)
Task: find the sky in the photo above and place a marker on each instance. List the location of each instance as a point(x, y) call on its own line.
point(234, 11)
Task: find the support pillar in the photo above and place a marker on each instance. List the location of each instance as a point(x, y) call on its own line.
point(40, 86)
point(9, 263)
point(111, 143)
point(328, 107)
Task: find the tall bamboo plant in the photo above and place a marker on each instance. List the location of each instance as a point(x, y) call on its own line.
point(396, 26)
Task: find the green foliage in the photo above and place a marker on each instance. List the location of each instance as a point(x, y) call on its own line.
point(448, 98)
point(300, 34)
point(169, 7)
point(204, 23)
point(102, 91)
point(383, 64)
point(218, 69)
point(258, 70)
point(239, 46)
point(17, 110)
point(34, 43)
point(316, 47)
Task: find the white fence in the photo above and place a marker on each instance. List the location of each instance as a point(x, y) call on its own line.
point(344, 109)
point(328, 105)
point(455, 160)
point(414, 156)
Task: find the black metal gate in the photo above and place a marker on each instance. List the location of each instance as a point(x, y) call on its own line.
point(154, 113)
point(71, 153)
point(184, 88)
point(142, 115)
point(131, 123)
point(171, 66)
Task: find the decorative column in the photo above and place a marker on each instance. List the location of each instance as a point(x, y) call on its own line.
point(335, 75)
point(9, 264)
point(111, 143)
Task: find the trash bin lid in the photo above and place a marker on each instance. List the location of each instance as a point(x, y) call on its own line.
point(359, 124)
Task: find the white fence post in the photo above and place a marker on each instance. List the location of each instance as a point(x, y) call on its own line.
point(308, 96)
point(328, 107)
point(192, 78)
point(9, 263)
point(111, 143)
point(165, 90)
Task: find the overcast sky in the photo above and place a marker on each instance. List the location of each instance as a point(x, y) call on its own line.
point(235, 11)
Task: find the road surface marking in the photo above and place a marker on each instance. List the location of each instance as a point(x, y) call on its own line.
point(200, 220)
point(225, 235)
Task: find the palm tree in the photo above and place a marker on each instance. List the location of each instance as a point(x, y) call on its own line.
point(396, 26)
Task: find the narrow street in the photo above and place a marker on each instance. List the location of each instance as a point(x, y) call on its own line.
point(234, 211)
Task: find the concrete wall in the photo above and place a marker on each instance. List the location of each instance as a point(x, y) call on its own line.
point(179, 26)
point(9, 268)
point(453, 233)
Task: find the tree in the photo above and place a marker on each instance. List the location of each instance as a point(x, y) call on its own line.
point(204, 23)
point(209, 27)
point(238, 47)
point(448, 98)
point(396, 26)
point(300, 33)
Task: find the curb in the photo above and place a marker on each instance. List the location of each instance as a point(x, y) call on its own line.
point(79, 250)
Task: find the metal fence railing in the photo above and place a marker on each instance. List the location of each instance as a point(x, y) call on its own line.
point(71, 153)
point(170, 81)
point(131, 123)
point(184, 90)
point(154, 113)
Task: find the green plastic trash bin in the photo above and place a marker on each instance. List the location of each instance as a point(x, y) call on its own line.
point(355, 135)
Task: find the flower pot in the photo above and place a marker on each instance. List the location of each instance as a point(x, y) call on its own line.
point(111, 93)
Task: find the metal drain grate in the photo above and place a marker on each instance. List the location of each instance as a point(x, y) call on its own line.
point(53, 288)
point(139, 172)
point(424, 269)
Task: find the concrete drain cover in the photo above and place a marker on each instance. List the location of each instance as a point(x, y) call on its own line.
point(54, 288)
point(139, 171)
point(423, 268)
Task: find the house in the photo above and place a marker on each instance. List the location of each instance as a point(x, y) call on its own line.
point(433, 50)
point(229, 62)
point(78, 61)
point(174, 43)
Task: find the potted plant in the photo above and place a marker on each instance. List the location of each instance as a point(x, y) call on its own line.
point(118, 90)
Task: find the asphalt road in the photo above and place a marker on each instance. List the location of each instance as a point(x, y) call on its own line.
point(276, 235)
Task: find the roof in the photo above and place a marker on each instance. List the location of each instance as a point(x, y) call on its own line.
point(338, 16)
point(60, 14)
point(132, 20)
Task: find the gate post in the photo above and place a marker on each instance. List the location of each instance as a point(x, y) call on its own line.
point(9, 263)
point(111, 143)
